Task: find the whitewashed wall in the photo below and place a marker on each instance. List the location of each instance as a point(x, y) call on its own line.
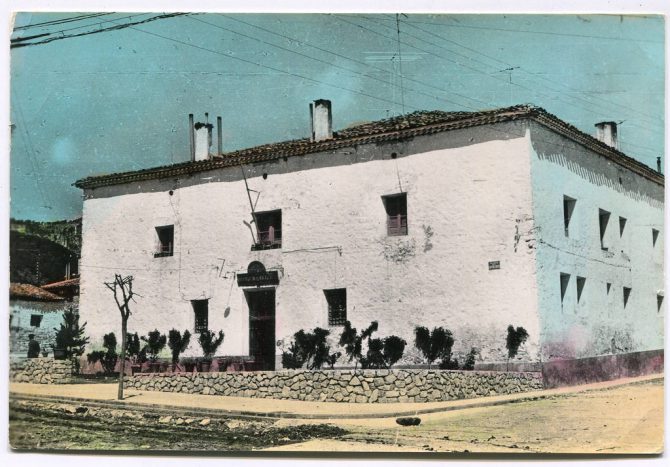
point(467, 205)
point(598, 321)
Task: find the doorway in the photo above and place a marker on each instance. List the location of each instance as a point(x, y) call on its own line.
point(262, 327)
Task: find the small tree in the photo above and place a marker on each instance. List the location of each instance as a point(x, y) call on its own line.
point(435, 344)
point(383, 353)
point(106, 358)
point(155, 343)
point(178, 344)
point(134, 348)
point(209, 343)
point(515, 337)
point(122, 286)
point(353, 342)
point(70, 337)
point(470, 359)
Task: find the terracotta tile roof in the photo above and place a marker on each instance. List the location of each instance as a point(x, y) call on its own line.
point(390, 129)
point(31, 292)
point(62, 284)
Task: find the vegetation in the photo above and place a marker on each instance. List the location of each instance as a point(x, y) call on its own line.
point(515, 337)
point(309, 348)
point(155, 343)
point(434, 345)
point(209, 342)
point(470, 359)
point(383, 353)
point(353, 342)
point(134, 350)
point(70, 337)
point(108, 357)
point(178, 344)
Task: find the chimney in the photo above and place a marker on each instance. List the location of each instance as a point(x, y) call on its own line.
point(202, 135)
point(191, 135)
point(219, 135)
point(658, 164)
point(321, 119)
point(606, 132)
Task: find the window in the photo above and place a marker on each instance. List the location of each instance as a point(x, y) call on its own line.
point(626, 295)
point(622, 225)
point(608, 286)
point(659, 302)
point(565, 280)
point(396, 214)
point(268, 230)
point(337, 306)
point(201, 312)
point(568, 208)
point(654, 237)
point(35, 320)
point(581, 281)
point(165, 245)
point(603, 219)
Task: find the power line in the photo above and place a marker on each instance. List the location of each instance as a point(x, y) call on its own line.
point(265, 66)
point(526, 31)
point(15, 43)
point(468, 67)
point(334, 65)
point(607, 102)
point(368, 65)
point(402, 91)
point(61, 21)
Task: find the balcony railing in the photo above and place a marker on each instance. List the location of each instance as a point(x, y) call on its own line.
point(268, 239)
point(397, 225)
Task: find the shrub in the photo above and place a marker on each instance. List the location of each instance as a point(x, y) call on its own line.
point(383, 353)
point(106, 358)
point(408, 421)
point(210, 342)
point(178, 344)
point(155, 343)
point(515, 337)
point(353, 342)
point(70, 337)
point(435, 344)
point(470, 359)
point(309, 348)
point(134, 350)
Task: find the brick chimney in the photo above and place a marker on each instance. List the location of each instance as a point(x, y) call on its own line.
point(606, 132)
point(321, 119)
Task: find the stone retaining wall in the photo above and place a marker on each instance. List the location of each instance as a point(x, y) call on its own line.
point(42, 371)
point(344, 386)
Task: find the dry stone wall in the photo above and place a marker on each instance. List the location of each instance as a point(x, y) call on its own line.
point(42, 371)
point(344, 386)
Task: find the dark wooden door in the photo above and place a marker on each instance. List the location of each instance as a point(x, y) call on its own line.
point(262, 327)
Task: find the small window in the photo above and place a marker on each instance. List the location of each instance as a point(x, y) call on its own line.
point(268, 230)
point(565, 280)
point(201, 312)
point(626, 295)
point(568, 208)
point(165, 246)
point(337, 306)
point(622, 225)
point(35, 320)
point(581, 282)
point(603, 220)
point(654, 236)
point(609, 287)
point(396, 214)
point(659, 302)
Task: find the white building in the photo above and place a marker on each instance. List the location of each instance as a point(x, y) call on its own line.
point(468, 220)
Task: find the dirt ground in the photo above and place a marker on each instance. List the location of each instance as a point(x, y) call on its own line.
point(620, 419)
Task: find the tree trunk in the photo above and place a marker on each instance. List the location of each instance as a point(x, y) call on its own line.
point(122, 369)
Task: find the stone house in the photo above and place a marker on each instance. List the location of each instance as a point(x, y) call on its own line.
point(468, 220)
point(33, 310)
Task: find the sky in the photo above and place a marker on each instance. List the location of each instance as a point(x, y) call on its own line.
point(119, 100)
